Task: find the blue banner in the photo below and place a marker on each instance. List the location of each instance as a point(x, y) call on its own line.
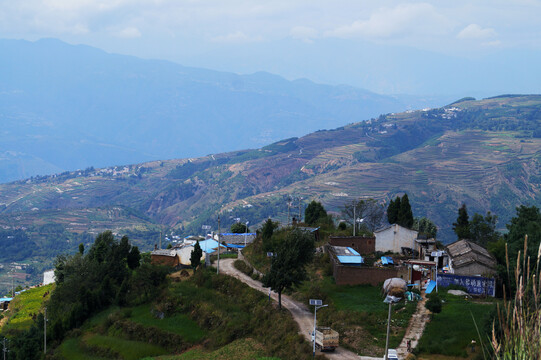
point(475, 285)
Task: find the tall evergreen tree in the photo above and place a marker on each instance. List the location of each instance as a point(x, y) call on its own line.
point(392, 211)
point(405, 215)
point(462, 225)
point(314, 212)
point(195, 256)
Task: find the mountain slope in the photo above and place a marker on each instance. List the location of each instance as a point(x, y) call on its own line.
point(68, 107)
point(484, 153)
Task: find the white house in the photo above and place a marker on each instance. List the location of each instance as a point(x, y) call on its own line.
point(394, 238)
point(48, 277)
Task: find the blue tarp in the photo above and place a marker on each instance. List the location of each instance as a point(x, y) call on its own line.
point(353, 251)
point(5, 299)
point(385, 260)
point(431, 286)
point(235, 246)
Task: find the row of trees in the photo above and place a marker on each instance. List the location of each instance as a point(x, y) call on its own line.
point(110, 272)
point(480, 229)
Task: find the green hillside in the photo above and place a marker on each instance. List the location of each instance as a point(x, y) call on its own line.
point(485, 153)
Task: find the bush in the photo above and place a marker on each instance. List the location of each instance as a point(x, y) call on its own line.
point(243, 267)
point(434, 303)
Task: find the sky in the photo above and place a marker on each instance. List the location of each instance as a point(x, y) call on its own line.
point(385, 46)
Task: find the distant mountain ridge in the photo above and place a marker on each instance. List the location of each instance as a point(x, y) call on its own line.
point(68, 107)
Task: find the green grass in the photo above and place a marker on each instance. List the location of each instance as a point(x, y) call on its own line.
point(127, 349)
point(71, 349)
point(24, 306)
point(451, 331)
point(243, 349)
point(178, 324)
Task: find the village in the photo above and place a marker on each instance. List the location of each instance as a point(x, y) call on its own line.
point(408, 265)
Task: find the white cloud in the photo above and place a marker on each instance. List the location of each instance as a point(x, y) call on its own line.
point(474, 31)
point(128, 33)
point(237, 37)
point(304, 33)
point(402, 20)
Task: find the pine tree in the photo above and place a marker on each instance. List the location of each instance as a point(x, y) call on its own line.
point(405, 215)
point(314, 212)
point(462, 225)
point(195, 257)
point(392, 211)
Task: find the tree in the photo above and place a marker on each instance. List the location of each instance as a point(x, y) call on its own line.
point(462, 225)
point(425, 226)
point(239, 228)
point(369, 210)
point(405, 215)
point(134, 258)
point(288, 265)
point(392, 211)
point(314, 212)
point(483, 229)
point(266, 234)
point(81, 248)
point(526, 222)
point(195, 257)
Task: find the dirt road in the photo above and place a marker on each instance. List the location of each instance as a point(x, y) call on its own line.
point(300, 312)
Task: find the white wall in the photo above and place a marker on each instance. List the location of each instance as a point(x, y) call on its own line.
point(48, 277)
point(394, 238)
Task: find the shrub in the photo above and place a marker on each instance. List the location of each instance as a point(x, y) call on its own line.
point(434, 303)
point(243, 267)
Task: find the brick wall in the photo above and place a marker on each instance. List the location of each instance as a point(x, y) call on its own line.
point(172, 261)
point(363, 245)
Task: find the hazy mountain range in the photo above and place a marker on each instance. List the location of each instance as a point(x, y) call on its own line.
point(66, 107)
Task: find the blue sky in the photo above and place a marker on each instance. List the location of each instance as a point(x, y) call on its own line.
point(484, 46)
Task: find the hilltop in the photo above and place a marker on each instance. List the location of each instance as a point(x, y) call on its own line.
point(485, 153)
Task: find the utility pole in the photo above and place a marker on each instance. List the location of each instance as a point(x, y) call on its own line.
point(219, 242)
point(45, 331)
point(354, 218)
point(300, 206)
point(160, 239)
point(288, 206)
point(245, 233)
point(5, 350)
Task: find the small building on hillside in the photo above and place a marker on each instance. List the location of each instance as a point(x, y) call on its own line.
point(425, 246)
point(361, 244)
point(348, 268)
point(167, 257)
point(48, 277)
point(312, 230)
point(236, 239)
point(395, 237)
point(469, 259)
point(4, 303)
point(346, 255)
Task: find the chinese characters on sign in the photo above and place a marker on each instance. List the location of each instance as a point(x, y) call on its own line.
point(475, 285)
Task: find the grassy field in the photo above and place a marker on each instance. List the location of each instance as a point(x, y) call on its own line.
point(24, 306)
point(451, 331)
point(209, 316)
point(179, 324)
point(126, 349)
point(243, 349)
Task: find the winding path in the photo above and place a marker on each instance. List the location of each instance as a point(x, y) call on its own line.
point(302, 316)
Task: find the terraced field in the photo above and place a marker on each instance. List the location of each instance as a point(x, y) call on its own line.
point(484, 153)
